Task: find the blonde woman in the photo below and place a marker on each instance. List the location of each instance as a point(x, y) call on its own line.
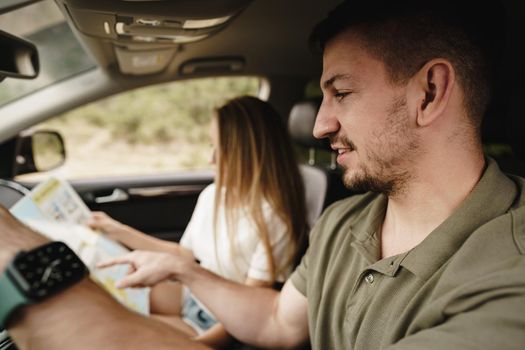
point(249, 226)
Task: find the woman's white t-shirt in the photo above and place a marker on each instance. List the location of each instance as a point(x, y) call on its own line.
point(250, 258)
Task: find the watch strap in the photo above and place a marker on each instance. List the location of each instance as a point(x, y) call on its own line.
point(10, 299)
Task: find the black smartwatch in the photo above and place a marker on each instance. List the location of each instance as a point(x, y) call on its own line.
point(34, 275)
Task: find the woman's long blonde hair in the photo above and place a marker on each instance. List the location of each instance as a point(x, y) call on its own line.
point(256, 164)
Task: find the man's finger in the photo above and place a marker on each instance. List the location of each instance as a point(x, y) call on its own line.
point(125, 259)
point(133, 280)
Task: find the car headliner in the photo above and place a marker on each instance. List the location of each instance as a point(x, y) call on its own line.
point(270, 35)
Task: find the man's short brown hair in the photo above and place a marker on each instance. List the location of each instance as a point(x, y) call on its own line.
point(406, 34)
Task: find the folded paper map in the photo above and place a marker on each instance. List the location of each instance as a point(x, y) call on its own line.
point(54, 209)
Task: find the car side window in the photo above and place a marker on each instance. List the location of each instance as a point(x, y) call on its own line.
point(156, 129)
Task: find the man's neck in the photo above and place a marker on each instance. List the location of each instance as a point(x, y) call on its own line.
point(426, 202)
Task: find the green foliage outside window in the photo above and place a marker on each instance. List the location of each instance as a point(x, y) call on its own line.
point(162, 128)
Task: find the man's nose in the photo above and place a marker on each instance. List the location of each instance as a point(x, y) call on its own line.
point(326, 123)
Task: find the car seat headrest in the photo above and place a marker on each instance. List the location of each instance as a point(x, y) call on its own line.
point(301, 124)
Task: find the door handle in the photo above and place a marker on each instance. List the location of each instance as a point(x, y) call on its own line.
point(118, 195)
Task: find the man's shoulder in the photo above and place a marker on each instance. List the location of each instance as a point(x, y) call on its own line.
point(494, 249)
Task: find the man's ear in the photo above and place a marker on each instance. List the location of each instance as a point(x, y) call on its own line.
point(431, 89)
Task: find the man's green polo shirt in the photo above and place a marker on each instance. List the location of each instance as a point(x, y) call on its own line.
point(463, 287)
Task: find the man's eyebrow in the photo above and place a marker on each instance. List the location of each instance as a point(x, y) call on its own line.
point(329, 82)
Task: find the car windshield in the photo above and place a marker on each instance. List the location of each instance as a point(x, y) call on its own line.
point(61, 55)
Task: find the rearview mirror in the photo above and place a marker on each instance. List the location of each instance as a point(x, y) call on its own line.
point(36, 151)
point(19, 58)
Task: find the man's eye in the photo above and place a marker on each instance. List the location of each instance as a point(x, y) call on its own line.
point(340, 95)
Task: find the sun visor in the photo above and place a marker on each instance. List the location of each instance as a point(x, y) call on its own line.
point(138, 62)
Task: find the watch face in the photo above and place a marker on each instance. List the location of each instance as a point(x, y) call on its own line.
point(46, 270)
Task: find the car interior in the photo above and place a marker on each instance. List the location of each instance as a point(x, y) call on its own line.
point(119, 46)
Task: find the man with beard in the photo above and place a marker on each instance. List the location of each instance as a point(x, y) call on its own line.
point(431, 257)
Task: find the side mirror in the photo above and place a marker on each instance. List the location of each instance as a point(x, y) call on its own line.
point(37, 151)
point(19, 58)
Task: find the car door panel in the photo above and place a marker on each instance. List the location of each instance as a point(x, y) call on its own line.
point(159, 205)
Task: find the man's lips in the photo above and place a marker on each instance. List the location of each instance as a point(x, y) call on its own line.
point(342, 149)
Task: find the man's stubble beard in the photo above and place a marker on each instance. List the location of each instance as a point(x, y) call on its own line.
point(389, 154)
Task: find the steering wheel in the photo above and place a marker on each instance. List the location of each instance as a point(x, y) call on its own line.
point(11, 192)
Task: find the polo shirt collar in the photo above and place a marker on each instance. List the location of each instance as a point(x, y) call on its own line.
point(492, 196)
point(365, 228)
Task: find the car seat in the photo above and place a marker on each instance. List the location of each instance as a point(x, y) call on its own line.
point(323, 182)
point(300, 124)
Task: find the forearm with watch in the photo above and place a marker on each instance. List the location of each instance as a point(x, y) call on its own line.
point(47, 303)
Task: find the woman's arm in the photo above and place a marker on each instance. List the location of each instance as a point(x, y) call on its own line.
point(131, 237)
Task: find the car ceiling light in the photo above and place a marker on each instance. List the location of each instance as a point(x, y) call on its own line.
point(183, 39)
point(149, 22)
point(204, 23)
point(119, 28)
point(144, 39)
point(145, 61)
point(107, 28)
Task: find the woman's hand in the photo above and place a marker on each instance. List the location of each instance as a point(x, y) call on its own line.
point(149, 268)
point(101, 221)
